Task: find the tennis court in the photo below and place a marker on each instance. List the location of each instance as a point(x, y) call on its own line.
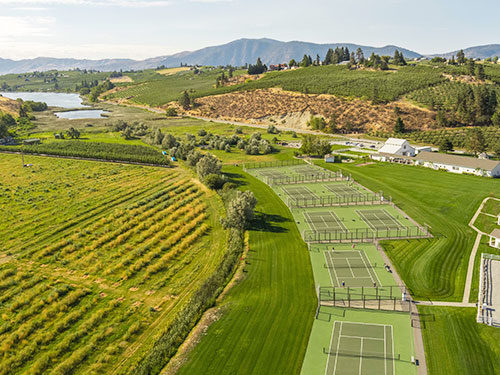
point(361, 348)
point(352, 268)
point(342, 190)
point(323, 220)
point(271, 173)
point(300, 192)
point(379, 219)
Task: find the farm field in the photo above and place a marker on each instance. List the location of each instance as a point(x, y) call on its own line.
point(158, 89)
point(427, 266)
point(268, 315)
point(95, 261)
point(456, 344)
point(340, 81)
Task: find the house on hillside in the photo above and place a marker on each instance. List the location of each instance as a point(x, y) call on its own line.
point(397, 146)
point(459, 164)
point(495, 238)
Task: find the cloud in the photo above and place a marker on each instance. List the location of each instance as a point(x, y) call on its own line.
point(103, 3)
point(12, 27)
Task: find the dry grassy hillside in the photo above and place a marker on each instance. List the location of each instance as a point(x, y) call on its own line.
point(9, 106)
point(294, 109)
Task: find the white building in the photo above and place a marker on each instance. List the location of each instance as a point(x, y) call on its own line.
point(498, 219)
point(495, 238)
point(397, 146)
point(459, 164)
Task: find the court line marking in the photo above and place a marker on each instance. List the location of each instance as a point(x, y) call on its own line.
point(327, 254)
point(363, 337)
point(337, 352)
point(361, 357)
point(361, 255)
point(385, 354)
point(392, 345)
point(350, 269)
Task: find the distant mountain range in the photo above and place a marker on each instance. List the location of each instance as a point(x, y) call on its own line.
point(478, 52)
point(237, 53)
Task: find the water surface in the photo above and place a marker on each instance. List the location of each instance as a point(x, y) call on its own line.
point(53, 99)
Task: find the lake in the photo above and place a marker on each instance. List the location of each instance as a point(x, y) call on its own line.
point(53, 99)
point(84, 114)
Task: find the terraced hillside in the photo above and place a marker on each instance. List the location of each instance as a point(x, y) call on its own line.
point(95, 261)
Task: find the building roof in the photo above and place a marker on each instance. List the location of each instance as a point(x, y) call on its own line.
point(395, 141)
point(457, 160)
point(389, 149)
point(495, 233)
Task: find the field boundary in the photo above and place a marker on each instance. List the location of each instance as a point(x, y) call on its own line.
point(87, 159)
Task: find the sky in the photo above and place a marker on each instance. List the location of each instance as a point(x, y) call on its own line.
point(140, 29)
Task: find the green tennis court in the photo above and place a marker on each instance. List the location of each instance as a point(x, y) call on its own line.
point(300, 192)
point(341, 189)
point(271, 173)
point(321, 220)
point(352, 268)
point(361, 348)
point(379, 219)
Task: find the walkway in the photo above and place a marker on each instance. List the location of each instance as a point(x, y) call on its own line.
point(472, 258)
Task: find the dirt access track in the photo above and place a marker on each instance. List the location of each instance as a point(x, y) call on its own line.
point(275, 106)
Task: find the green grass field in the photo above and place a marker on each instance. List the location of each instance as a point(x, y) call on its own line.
point(268, 315)
point(456, 344)
point(432, 268)
point(95, 261)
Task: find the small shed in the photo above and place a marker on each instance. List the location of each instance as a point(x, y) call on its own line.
point(173, 158)
point(329, 158)
point(32, 141)
point(495, 238)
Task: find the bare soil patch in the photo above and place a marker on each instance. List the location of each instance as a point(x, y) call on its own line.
point(291, 109)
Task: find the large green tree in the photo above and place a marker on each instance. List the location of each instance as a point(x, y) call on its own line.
point(475, 141)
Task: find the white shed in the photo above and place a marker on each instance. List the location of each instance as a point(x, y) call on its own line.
point(495, 238)
point(397, 146)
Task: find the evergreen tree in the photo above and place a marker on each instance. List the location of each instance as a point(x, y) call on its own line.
point(480, 75)
point(185, 100)
point(446, 145)
point(475, 141)
point(461, 57)
point(305, 61)
point(399, 126)
point(360, 57)
point(471, 67)
point(329, 57)
point(317, 61)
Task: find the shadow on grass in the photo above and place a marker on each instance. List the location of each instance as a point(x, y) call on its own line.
point(236, 179)
point(268, 223)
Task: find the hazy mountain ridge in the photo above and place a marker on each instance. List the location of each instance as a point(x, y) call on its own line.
point(479, 52)
point(237, 53)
